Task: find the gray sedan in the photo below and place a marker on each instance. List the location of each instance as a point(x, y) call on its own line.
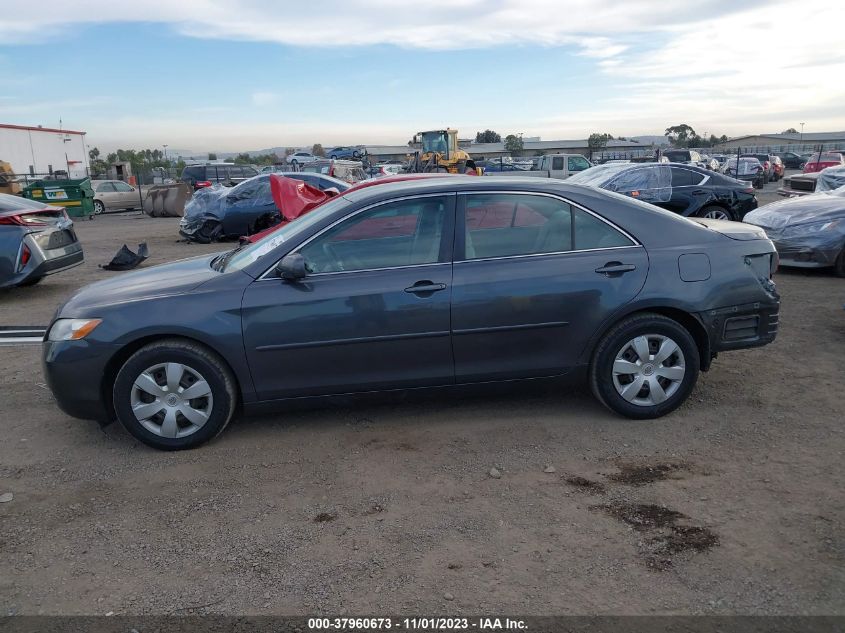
point(419, 284)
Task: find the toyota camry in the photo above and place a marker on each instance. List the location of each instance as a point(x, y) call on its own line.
point(435, 283)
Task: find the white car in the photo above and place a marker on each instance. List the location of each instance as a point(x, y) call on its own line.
point(300, 158)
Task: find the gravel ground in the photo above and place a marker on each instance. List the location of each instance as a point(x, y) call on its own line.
point(534, 501)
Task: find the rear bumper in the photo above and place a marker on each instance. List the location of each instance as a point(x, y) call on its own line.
point(742, 326)
point(58, 264)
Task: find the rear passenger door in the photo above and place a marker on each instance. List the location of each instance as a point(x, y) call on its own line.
point(688, 194)
point(533, 278)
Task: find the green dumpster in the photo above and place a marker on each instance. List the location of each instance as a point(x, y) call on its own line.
point(75, 195)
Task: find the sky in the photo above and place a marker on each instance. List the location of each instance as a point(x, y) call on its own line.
point(237, 75)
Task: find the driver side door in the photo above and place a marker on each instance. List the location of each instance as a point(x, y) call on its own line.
point(374, 313)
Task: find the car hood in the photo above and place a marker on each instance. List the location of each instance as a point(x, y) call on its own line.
point(817, 207)
point(157, 281)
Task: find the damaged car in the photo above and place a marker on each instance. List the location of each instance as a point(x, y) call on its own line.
point(216, 213)
point(808, 232)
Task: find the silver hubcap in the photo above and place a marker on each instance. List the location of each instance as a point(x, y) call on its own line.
point(648, 369)
point(716, 214)
point(171, 400)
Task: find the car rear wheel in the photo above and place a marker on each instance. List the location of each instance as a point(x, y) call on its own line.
point(644, 367)
point(714, 212)
point(99, 207)
point(174, 394)
point(333, 157)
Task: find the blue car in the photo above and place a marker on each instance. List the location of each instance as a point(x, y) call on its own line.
point(216, 213)
point(435, 283)
point(344, 152)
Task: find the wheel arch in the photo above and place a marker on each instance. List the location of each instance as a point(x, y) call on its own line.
point(124, 353)
point(685, 318)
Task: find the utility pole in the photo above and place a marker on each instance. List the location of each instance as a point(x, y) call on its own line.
point(802, 134)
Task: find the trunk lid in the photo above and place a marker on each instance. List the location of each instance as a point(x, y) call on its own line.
point(734, 230)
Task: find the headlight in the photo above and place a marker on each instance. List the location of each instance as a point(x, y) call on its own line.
point(809, 229)
point(72, 329)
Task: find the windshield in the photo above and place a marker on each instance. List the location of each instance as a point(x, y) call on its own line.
point(434, 142)
point(243, 256)
point(597, 176)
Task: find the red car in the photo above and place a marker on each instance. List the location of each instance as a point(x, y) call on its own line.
point(822, 160)
point(296, 198)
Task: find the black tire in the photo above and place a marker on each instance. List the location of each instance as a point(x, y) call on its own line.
point(294, 162)
point(30, 282)
point(356, 154)
point(333, 157)
point(99, 207)
point(615, 340)
point(713, 208)
point(208, 232)
point(839, 264)
point(194, 356)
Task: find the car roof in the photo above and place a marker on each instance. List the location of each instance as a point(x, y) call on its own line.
point(527, 184)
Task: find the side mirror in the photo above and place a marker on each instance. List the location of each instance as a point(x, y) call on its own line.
point(292, 267)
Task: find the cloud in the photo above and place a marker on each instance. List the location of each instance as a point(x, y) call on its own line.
point(721, 65)
point(434, 24)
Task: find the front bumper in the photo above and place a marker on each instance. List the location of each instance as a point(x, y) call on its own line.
point(74, 372)
point(807, 251)
point(742, 326)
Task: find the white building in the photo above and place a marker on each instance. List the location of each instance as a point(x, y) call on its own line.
point(34, 151)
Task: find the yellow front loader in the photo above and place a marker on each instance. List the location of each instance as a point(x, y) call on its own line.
point(439, 152)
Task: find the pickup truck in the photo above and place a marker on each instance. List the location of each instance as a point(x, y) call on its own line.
point(550, 166)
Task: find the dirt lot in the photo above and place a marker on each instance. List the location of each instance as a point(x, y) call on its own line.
point(733, 504)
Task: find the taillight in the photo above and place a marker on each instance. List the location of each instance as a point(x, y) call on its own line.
point(766, 165)
point(26, 255)
point(748, 190)
point(22, 220)
point(199, 184)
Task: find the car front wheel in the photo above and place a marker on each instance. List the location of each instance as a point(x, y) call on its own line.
point(645, 366)
point(174, 394)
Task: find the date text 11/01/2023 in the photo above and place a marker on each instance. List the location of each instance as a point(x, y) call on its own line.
point(416, 624)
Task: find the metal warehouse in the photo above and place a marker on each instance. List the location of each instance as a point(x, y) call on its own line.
point(34, 151)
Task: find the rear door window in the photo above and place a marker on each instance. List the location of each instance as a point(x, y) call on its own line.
point(509, 225)
point(105, 187)
point(684, 177)
point(557, 162)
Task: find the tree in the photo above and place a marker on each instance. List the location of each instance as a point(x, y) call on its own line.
point(513, 144)
point(597, 142)
point(488, 136)
point(318, 150)
point(679, 135)
point(97, 165)
point(212, 156)
point(791, 130)
point(243, 159)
